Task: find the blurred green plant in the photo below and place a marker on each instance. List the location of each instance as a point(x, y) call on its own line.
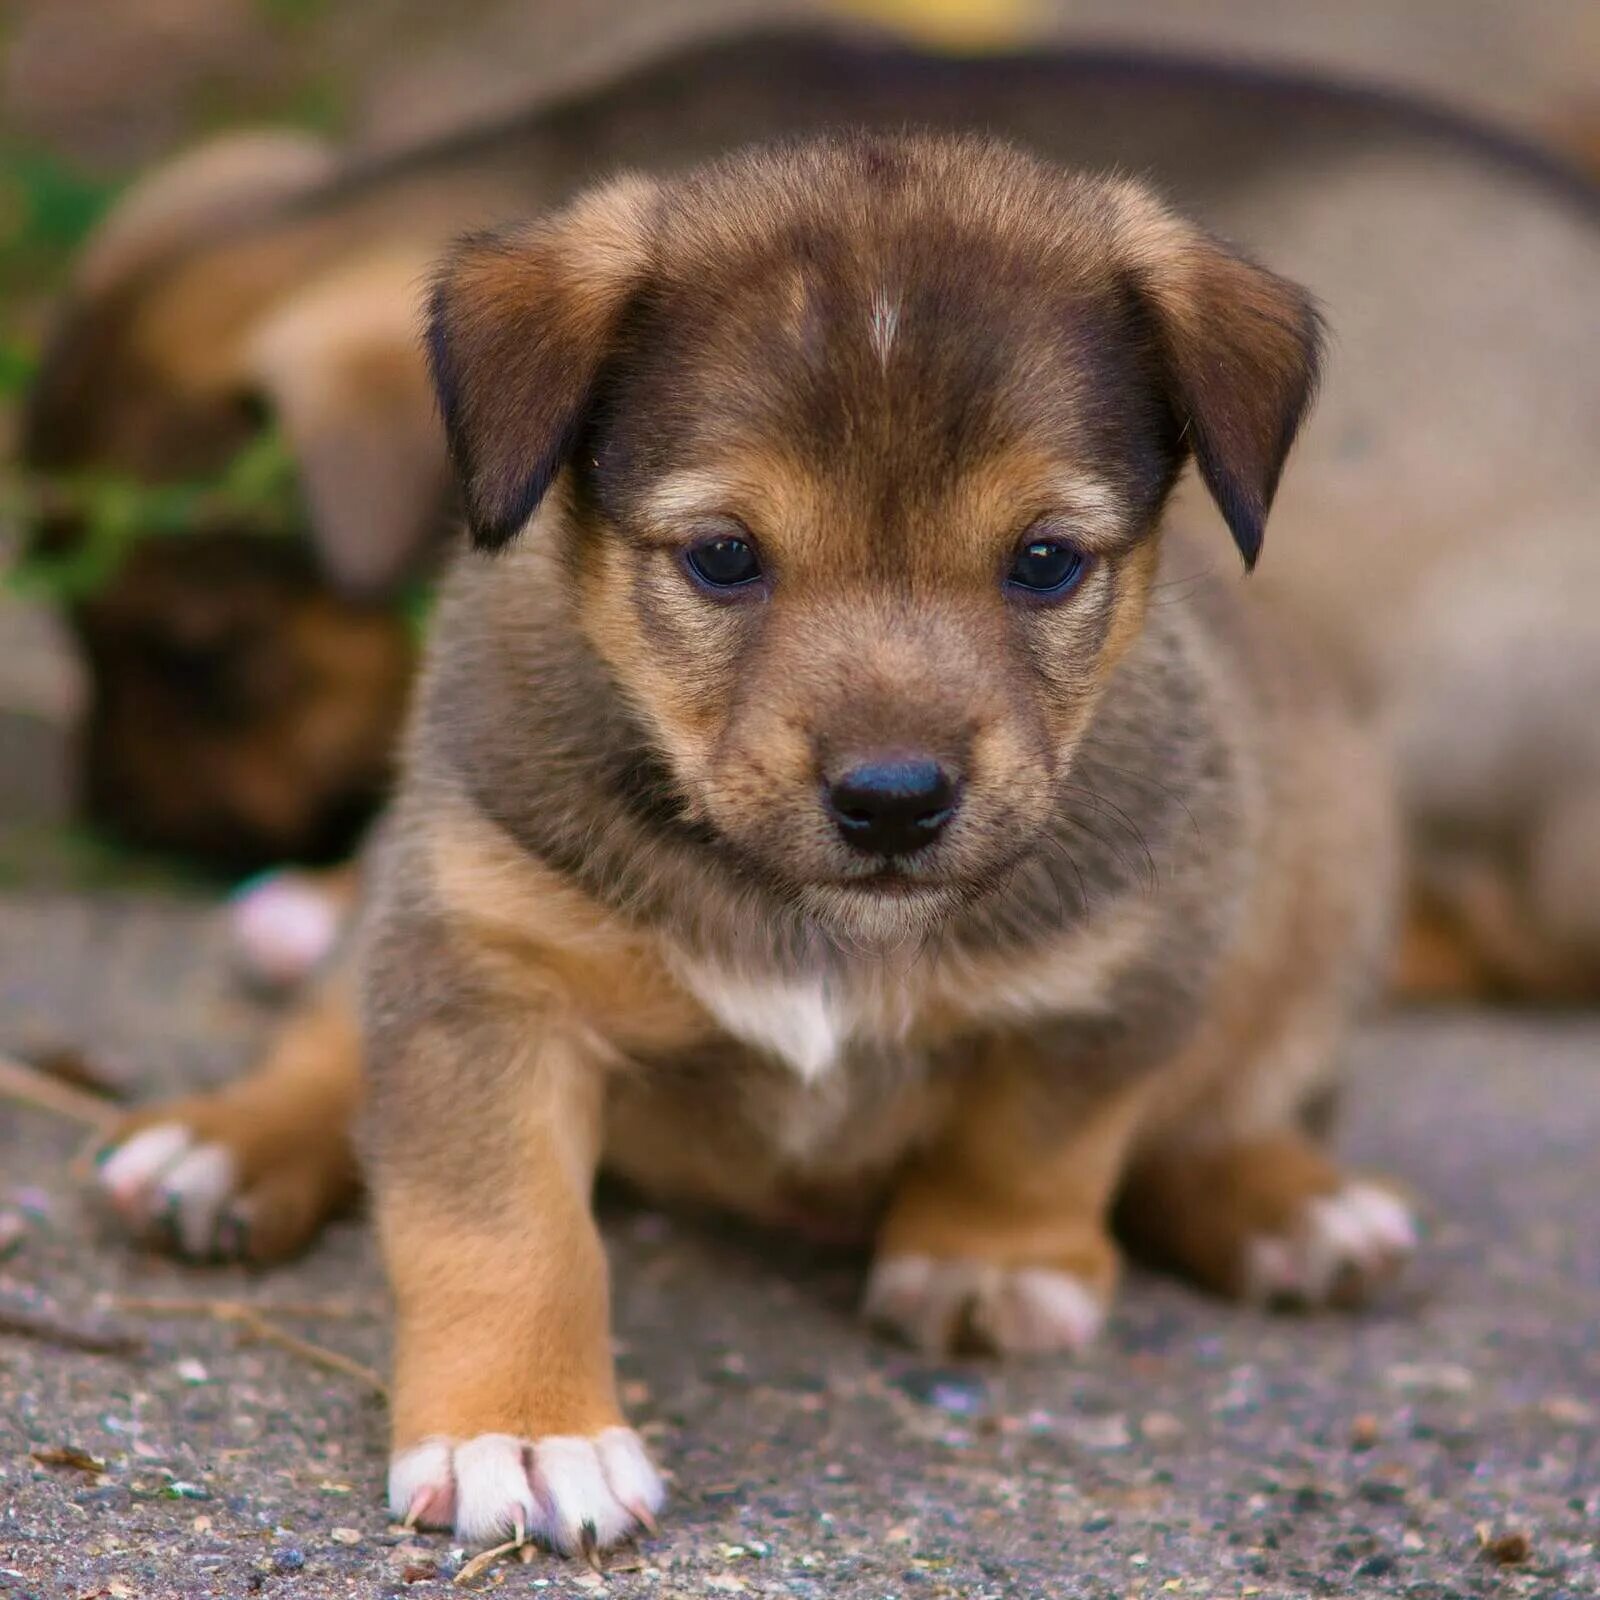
point(106, 515)
point(291, 13)
point(73, 855)
point(47, 206)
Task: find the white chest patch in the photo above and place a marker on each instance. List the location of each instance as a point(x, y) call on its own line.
point(802, 1024)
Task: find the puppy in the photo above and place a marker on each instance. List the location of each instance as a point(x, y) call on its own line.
point(823, 801)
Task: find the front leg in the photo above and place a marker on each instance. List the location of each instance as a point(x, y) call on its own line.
point(505, 1419)
point(996, 1237)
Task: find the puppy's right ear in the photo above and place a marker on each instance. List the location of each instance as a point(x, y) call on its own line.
point(519, 325)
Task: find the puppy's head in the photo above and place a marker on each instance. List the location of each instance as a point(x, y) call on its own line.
point(859, 449)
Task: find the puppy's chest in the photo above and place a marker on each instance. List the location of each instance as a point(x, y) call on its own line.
point(826, 1074)
point(818, 1024)
point(813, 1024)
point(807, 1024)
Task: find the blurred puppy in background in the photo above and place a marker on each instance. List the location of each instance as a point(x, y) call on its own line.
point(820, 804)
point(1437, 539)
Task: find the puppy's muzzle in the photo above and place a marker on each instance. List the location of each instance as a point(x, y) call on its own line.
point(892, 805)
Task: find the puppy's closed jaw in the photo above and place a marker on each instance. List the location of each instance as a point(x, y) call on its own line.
point(575, 1495)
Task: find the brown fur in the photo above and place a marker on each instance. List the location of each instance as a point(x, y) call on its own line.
point(609, 917)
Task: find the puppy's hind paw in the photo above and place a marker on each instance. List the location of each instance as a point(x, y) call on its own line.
point(939, 1305)
point(579, 1496)
point(208, 1180)
point(165, 1178)
point(1341, 1250)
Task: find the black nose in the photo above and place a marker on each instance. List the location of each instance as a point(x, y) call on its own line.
point(892, 806)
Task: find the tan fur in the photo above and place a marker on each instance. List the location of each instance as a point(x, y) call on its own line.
point(338, 364)
point(207, 189)
point(502, 1319)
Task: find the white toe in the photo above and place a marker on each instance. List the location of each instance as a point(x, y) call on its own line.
point(1021, 1310)
point(1361, 1229)
point(919, 1298)
point(632, 1479)
point(574, 1494)
point(573, 1488)
point(131, 1172)
point(1388, 1219)
point(195, 1189)
point(494, 1499)
point(1038, 1310)
point(420, 1475)
point(284, 926)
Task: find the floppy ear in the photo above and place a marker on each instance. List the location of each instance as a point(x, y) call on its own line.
point(1242, 348)
point(197, 196)
point(341, 363)
point(519, 326)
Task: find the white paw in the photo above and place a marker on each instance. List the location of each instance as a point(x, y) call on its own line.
point(938, 1305)
point(284, 925)
point(577, 1495)
point(162, 1177)
point(1345, 1245)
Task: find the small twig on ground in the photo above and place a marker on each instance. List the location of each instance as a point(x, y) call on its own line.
point(44, 1327)
point(480, 1564)
point(205, 1306)
point(316, 1354)
point(31, 1087)
point(251, 1320)
point(78, 1069)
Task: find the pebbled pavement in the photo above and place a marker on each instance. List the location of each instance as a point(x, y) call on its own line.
point(1200, 1450)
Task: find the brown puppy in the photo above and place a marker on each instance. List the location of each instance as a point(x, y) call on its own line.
point(821, 805)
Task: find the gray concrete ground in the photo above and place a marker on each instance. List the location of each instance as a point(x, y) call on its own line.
point(1201, 1450)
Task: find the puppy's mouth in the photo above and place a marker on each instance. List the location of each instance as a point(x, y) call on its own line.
point(895, 882)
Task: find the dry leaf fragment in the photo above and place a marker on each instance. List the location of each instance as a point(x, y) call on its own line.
point(1509, 1549)
point(69, 1457)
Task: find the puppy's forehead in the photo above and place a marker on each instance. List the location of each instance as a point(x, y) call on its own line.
point(889, 325)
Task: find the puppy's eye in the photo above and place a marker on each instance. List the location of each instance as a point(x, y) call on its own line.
point(726, 562)
point(1047, 568)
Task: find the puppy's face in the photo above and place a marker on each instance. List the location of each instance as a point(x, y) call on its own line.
point(864, 475)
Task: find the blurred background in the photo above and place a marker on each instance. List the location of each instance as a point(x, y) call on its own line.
point(96, 91)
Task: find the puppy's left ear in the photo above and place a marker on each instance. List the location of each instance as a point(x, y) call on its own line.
point(1242, 349)
point(519, 327)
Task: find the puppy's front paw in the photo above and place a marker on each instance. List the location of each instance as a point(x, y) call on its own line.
point(577, 1495)
point(940, 1305)
point(1339, 1249)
